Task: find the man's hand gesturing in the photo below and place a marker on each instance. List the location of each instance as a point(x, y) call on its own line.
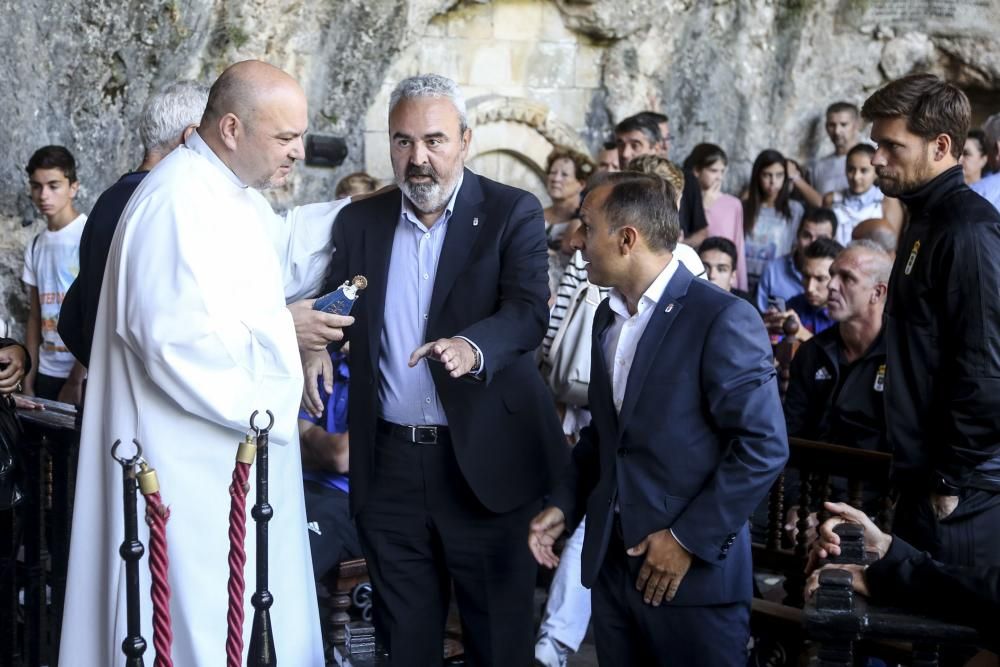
point(546, 528)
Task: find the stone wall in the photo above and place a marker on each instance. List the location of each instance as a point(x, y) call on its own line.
point(747, 74)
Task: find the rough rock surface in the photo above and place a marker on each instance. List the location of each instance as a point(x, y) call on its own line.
point(747, 74)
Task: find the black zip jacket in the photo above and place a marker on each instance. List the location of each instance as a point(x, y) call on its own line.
point(942, 392)
point(821, 404)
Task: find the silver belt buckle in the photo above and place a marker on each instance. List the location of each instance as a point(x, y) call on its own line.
point(425, 435)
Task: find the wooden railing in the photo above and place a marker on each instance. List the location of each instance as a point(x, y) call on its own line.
point(38, 528)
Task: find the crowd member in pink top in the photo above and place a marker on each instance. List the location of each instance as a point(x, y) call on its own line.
point(724, 212)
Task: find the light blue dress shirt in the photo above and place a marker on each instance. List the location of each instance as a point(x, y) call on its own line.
point(988, 187)
point(407, 395)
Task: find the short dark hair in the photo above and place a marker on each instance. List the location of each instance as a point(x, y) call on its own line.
point(867, 149)
point(643, 201)
point(705, 155)
point(609, 145)
point(819, 215)
point(53, 157)
point(638, 123)
point(822, 248)
point(654, 116)
point(929, 105)
point(720, 243)
point(841, 107)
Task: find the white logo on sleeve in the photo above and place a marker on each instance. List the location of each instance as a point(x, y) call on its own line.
point(823, 374)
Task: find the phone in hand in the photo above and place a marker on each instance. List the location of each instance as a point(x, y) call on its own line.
point(776, 302)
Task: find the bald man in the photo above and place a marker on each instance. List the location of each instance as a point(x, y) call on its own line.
point(192, 336)
point(880, 231)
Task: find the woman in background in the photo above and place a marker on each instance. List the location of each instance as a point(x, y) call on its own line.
point(724, 212)
point(770, 216)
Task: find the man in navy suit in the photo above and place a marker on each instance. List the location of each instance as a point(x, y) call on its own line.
point(454, 436)
point(686, 438)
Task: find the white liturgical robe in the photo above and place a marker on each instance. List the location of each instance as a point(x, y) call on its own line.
point(192, 336)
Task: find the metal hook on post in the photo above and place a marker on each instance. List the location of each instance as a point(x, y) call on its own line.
point(131, 550)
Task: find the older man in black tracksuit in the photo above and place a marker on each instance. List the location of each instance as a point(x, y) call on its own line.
point(943, 370)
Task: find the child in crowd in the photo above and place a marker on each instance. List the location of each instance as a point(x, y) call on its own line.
point(721, 260)
point(51, 263)
point(862, 199)
point(770, 216)
point(724, 212)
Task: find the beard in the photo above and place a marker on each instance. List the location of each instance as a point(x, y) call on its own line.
point(431, 196)
point(898, 184)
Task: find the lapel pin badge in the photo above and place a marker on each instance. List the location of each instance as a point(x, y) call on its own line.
point(475, 222)
point(670, 307)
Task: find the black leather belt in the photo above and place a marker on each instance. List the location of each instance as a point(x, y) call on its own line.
point(418, 435)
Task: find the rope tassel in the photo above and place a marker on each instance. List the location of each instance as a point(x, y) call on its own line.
point(156, 517)
point(237, 549)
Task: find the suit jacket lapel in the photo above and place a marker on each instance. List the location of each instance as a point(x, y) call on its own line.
point(379, 233)
point(467, 219)
point(667, 310)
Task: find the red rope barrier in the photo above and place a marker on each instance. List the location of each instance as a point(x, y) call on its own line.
point(237, 551)
point(156, 516)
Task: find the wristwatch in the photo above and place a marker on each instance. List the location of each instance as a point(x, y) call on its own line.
point(477, 365)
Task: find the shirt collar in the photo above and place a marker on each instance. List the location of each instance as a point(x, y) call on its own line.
point(650, 297)
point(409, 214)
point(198, 145)
point(870, 196)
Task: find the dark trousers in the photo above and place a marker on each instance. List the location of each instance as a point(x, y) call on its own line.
point(628, 631)
point(968, 536)
point(423, 530)
point(48, 386)
point(332, 536)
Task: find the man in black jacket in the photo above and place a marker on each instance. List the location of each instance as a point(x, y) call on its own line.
point(835, 393)
point(943, 370)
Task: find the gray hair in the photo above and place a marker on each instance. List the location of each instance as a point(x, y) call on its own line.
point(170, 111)
point(881, 265)
point(430, 85)
point(991, 128)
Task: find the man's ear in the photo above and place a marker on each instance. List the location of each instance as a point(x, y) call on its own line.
point(942, 147)
point(230, 130)
point(466, 141)
point(628, 239)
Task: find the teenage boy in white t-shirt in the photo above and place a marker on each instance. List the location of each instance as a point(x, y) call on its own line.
point(51, 262)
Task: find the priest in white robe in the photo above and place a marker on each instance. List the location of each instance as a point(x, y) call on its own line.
point(192, 335)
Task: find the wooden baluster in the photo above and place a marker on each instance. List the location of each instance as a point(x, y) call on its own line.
point(835, 597)
point(9, 654)
point(795, 580)
point(925, 655)
point(855, 492)
point(776, 513)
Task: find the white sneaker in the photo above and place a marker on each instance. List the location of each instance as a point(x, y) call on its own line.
point(550, 653)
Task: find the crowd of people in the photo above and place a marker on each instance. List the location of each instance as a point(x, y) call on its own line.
point(601, 369)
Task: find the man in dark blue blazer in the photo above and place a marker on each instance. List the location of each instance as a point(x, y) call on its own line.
point(686, 438)
point(454, 438)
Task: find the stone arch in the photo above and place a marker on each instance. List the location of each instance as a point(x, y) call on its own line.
point(513, 136)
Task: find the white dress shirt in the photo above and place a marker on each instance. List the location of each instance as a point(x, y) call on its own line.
point(622, 337)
